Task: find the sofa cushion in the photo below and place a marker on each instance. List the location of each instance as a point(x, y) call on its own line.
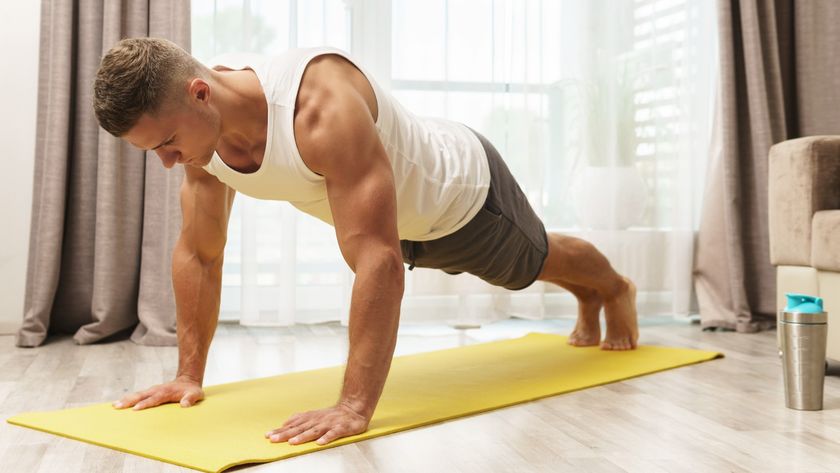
point(804, 178)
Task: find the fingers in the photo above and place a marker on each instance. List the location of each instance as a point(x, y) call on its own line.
point(293, 420)
point(325, 425)
point(285, 433)
point(131, 399)
point(150, 401)
point(141, 400)
point(300, 430)
point(187, 393)
point(190, 398)
point(288, 425)
point(334, 433)
point(309, 434)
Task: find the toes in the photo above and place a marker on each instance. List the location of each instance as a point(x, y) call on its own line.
point(584, 338)
point(617, 345)
point(582, 342)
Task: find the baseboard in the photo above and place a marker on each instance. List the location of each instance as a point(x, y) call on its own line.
point(9, 327)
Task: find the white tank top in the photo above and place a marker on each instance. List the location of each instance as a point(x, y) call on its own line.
point(440, 168)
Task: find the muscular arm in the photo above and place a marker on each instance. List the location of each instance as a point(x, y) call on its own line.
point(197, 267)
point(336, 137)
point(196, 276)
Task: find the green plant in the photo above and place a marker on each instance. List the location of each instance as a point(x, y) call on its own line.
point(222, 32)
point(610, 109)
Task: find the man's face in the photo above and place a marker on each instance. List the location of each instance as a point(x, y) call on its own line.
point(180, 134)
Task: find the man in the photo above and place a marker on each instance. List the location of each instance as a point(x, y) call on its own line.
point(312, 128)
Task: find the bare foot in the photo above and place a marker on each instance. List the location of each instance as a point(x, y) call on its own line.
point(620, 313)
point(587, 330)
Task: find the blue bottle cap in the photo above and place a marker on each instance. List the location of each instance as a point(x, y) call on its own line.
point(803, 303)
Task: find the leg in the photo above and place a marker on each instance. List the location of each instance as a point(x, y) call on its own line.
point(587, 330)
point(576, 262)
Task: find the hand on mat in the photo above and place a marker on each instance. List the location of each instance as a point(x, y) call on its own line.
point(325, 425)
point(183, 390)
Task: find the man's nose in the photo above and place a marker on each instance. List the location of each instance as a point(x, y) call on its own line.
point(168, 158)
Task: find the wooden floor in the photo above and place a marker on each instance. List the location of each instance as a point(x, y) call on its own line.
point(724, 415)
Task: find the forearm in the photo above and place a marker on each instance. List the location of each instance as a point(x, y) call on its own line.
point(197, 288)
point(374, 319)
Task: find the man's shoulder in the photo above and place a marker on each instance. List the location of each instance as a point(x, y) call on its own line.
point(325, 84)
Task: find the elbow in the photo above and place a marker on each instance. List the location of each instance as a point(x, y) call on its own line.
point(185, 255)
point(387, 267)
point(394, 268)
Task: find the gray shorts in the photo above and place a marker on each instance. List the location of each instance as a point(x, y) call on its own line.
point(505, 243)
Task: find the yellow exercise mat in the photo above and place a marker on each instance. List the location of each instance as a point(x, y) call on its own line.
point(227, 428)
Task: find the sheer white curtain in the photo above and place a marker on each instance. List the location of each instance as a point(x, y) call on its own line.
point(600, 108)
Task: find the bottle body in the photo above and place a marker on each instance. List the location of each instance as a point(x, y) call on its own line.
point(802, 339)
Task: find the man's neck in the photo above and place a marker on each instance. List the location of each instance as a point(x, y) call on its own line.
point(242, 108)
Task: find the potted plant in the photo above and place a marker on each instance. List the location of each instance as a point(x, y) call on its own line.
point(609, 192)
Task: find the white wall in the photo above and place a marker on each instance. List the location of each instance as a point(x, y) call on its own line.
point(19, 38)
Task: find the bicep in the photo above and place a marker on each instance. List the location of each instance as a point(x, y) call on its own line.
point(364, 212)
point(205, 207)
point(345, 147)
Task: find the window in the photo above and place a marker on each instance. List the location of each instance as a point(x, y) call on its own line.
point(516, 70)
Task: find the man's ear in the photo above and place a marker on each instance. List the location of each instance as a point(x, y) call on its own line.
point(199, 89)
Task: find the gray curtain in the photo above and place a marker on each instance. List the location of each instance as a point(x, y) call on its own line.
point(105, 217)
point(780, 79)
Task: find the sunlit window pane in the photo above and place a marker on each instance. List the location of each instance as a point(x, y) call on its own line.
point(419, 36)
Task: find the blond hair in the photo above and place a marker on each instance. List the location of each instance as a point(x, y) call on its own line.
point(137, 76)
